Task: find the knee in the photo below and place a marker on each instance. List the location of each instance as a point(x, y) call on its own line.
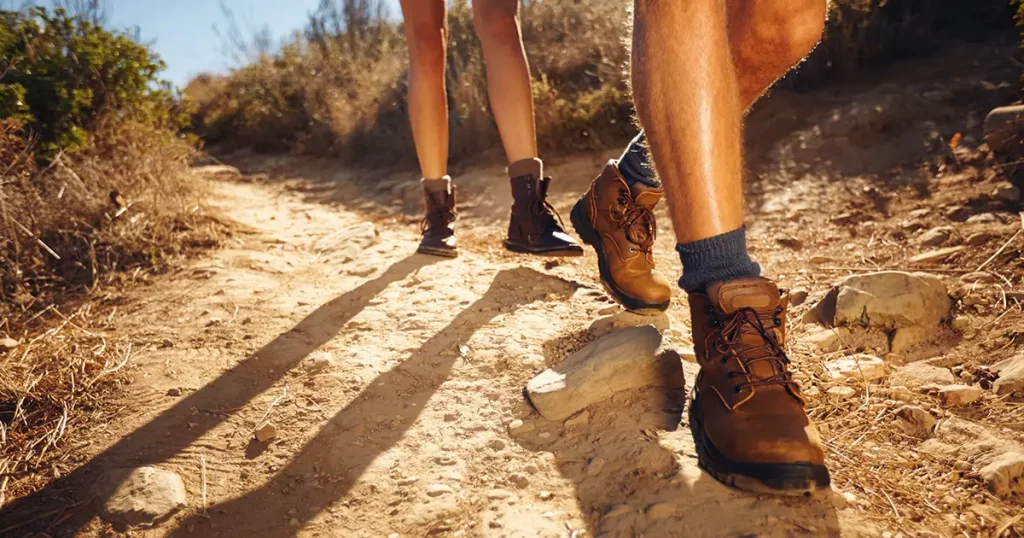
point(426, 42)
point(495, 24)
point(789, 29)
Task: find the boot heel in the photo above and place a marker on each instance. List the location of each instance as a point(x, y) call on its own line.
point(581, 223)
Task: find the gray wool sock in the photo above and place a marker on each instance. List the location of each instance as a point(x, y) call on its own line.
point(722, 257)
point(635, 164)
point(526, 167)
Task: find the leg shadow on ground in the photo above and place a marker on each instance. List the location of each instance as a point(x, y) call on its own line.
point(67, 504)
point(635, 472)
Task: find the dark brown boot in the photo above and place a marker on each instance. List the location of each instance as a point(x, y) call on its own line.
point(618, 221)
point(439, 224)
point(534, 227)
point(747, 414)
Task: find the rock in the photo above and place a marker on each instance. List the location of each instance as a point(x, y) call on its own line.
point(498, 494)
point(901, 393)
point(408, 481)
point(349, 244)
point(609, 324)
point(841, 392)
point(623, 360)
point(1005, 475)
point(518, 427)
point(608, 310)
point(147, 496)
point(891, 299)
point(496, 445)
point(859, 367)
point(916, 421)
point(790, 243)
point(935, 237)
point(958, 213)
point(839, 338)
point(957, 395)
point(174, 392)
point(582, 419)
point(520, 480)
point(818, 260)
point(938, 256)
point(218, 171)
point(659, 511)
point(1003, 129)
point(8, 343)
point(920, 213)
point(983, 218)
point(545, 495)
point(436, 490)
point(1011, 376)
point(531, 468)
point(909, 337)
point(979, 239)
point(984, 278)
point(919, 373)
point(1006, 192)
point(595, 466)
point(798, 296)
point(318, 361)
point(267, 433)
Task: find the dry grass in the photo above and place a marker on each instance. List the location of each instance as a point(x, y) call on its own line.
point(97, 220)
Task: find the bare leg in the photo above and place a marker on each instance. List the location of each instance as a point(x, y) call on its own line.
point(689, 104)
point(426, 33)
point(508, 75)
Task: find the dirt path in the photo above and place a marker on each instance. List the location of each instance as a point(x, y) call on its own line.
point(392, 378)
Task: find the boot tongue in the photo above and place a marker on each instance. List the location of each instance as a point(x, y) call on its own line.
point(758, 293)
point(645, 194)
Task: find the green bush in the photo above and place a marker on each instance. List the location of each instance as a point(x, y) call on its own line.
point(59, 75)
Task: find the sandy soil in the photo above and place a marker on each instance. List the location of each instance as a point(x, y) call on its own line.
point(404, 432)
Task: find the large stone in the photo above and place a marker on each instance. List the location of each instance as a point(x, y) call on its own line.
point(1011, 376)
point(625, 359)
point(147, 496)
point(916, 422)
point(859, 367)
point(919, 373)
point(609, 324)
point(892, 299)
point(1005, 475)
point(935, 237)
point(957, 395)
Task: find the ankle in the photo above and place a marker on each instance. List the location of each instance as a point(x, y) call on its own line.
point(719, 258)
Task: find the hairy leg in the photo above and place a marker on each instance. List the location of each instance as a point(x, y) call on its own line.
point(426, 33)
point(689, 103)
point(508, 75)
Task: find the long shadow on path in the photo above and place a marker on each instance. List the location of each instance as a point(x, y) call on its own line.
point(345, 447)
point(61, 504)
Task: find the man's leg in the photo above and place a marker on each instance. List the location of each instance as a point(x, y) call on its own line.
point(426, 33)
point(533, 228)
point(747, 414)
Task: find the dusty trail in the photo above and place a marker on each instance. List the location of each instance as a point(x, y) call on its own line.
point(405, 429)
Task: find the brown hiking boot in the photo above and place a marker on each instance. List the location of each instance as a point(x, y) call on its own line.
point(618, 221)
point(439, 224)
point(535, 227)
point(747, 414)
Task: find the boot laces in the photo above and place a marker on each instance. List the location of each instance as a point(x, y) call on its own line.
point(438, 216)
point(638, 221)
point(748, 321)
point(540, 207)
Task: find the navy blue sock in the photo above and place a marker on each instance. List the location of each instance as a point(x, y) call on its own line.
point(635, 164)
point(722, 257)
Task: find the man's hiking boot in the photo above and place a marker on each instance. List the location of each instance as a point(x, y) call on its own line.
point(747, 415)
point(534, 227)
point(618, 221)
point(439, 224)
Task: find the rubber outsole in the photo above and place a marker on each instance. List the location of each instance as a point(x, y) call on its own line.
point(801, 479)
point(560, 252)
point(585, 230)
point(443, 253)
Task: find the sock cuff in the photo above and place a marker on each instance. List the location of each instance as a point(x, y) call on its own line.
point(527, 167)
point(722, 257)
point(635, 164)
point(437, 185)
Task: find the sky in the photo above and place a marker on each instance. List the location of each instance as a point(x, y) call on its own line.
point(181, 31)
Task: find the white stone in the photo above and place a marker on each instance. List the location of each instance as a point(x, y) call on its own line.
point(623, 360)
point(841, 392)
point(518, 427)
point(935, 237)
point(622, 320)
point(957, 395)
point(266, 433)
point(860, 367)
point(1005, 475)
point(8, 343)
point(919, 373)
point(318, 361)
point(436, 490)
point(143, 497)
point(892, 299)
point(1011, 376)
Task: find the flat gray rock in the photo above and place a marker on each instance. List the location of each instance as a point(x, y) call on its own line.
point(1011, 376)
point(892, 299)
point(147, 496)
point(623, 360)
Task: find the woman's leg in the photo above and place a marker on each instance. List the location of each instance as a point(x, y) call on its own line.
point(508, 76)
point(426, 32)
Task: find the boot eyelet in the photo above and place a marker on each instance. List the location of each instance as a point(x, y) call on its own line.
point(725, 360)
point(737, 390)
point(778, 322)
point(632, 250)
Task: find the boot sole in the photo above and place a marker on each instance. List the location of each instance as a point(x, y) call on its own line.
point(801, 479)
point(549, 251)
point(584, 229)
point(443, 253)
